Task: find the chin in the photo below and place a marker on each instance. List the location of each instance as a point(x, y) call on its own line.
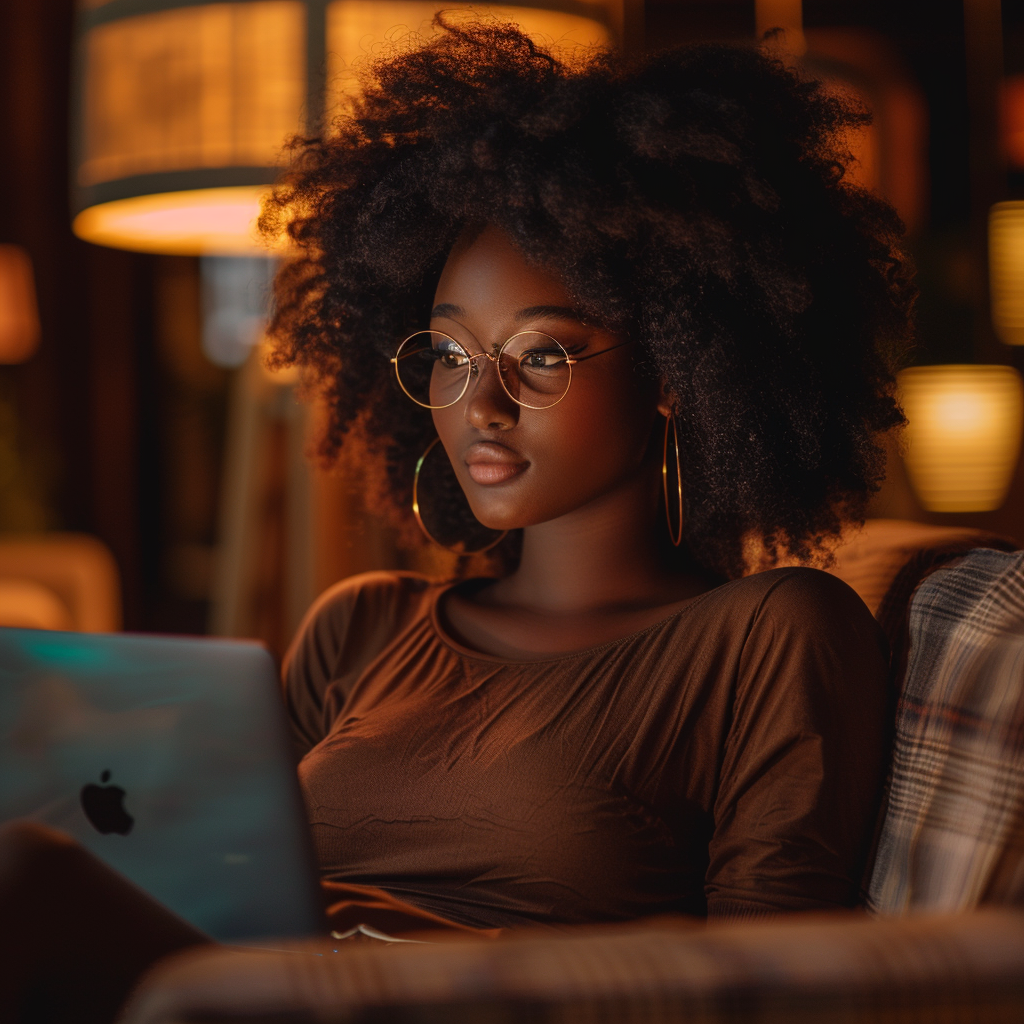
point(523, 501)
point(507, 513)
point(498, 515)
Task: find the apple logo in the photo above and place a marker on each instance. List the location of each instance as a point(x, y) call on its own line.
point(104, 807)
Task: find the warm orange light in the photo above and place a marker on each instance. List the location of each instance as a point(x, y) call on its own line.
point(785, 14)
point(361, 29)
point(286, 376)
point(30, 605)
point(176, 104)
point(19, 313)
point(198, 86)
point(209, 222)
point(1006, 270)
point(964, 434)
point(1011, 110)
point(180, 101)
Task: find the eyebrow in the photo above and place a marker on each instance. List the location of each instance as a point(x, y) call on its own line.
point(448, 310)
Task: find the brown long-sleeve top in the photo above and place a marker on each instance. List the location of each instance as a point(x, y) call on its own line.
point(726, 760)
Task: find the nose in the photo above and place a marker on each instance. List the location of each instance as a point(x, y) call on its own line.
point(488, 405)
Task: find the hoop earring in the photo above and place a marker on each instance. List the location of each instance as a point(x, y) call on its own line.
point(419, 519)
point(675, 535)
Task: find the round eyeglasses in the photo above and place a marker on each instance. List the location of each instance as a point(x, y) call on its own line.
point(434, 370)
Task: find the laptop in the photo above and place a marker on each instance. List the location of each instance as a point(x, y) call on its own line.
point(169, 759)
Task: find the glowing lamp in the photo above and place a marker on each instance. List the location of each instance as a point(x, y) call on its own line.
point(221, 220)
point(963, 434)
point(183, 109)
point(1006, 270)
point(19, 314)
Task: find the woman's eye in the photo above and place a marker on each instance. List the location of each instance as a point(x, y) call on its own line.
point(451, 360)
point(538, 359)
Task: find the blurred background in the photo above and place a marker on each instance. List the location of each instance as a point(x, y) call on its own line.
point(152, 472)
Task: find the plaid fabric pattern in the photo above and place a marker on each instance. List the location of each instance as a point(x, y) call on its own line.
point(916, 566)
point(955, 808)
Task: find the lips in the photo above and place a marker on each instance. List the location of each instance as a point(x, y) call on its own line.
point(491, 463)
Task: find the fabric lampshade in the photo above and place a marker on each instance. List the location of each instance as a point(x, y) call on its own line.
point(182, 110)
point(1006, 270)
point(963, 434)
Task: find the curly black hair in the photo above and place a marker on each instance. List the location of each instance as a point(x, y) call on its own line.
point(696, 199)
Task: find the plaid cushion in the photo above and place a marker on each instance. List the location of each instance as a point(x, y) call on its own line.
point(951, 835)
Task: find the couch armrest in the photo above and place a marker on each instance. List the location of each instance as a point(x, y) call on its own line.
point(810, 968)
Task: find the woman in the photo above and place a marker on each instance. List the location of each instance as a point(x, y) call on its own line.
point(574, 276)
point(653, 329)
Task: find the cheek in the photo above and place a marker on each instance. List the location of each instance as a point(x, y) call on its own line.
point(597, 441)
point(578, 452)
point(449, 426)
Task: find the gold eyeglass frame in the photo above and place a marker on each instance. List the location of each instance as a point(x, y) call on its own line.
point(494, 355)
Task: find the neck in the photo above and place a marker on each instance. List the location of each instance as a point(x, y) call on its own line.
point(611, 554)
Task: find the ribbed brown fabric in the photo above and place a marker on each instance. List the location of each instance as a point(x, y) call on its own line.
point(726, 760)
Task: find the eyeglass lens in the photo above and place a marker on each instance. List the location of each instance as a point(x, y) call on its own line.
point(434, 370)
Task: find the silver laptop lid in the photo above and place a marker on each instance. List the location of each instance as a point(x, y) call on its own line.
point(169, 759)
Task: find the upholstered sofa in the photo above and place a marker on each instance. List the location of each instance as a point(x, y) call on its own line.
point(939, 938)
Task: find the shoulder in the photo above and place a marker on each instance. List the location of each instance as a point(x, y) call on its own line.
point(796, 582)
point(344, 630)
point(360, 610)
point(388, 592)
point(800, 595)
point(802, 624)
point(370, 584)
point(806, 748)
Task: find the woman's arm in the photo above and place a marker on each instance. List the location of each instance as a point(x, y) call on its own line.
point(343, 631)
point(806, 753)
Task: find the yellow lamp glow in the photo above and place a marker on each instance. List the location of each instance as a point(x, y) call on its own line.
point(358, 29)
point(183, 115)
point(1006, 270)
point(963, 434)
point(183, 110)
point(218, 221)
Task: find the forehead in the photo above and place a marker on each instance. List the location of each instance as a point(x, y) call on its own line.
point(486, 275)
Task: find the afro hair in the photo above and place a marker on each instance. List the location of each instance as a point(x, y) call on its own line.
point(696, 199)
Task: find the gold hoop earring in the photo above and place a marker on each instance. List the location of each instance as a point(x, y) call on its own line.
point(419, 519)
point(675, 535)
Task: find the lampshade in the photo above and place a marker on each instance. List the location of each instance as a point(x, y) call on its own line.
point(963, 434)
point(1006, 270)
point(182, 110)
point(19, 314)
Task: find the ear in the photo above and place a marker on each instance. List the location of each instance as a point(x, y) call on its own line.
point(666, 400)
